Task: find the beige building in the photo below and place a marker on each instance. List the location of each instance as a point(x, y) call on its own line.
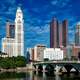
point(39, 52)
point(8, 46)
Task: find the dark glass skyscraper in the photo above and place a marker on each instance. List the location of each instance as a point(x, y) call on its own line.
point(64, 33)
point(54, 33)
point(10, 30)
point(58, 33)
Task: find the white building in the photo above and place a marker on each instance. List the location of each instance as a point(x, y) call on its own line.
point(53, 54)
point(15, 46)
point(19, 33)
point(8, 46)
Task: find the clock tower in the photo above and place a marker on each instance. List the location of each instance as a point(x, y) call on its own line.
point(19, 33)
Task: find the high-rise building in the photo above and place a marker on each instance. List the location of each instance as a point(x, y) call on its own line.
point(19, 33)
point(58, 34)
point(64, 33)
point(13, 44)
point(77, 34)
point(10, 30)
point(54, 37)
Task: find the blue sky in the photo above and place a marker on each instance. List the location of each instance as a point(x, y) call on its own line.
point(37, 16)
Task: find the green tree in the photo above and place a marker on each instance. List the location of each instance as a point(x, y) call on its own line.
point(12, 62)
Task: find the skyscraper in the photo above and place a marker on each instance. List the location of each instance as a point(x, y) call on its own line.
point(58, 33)
point(10, 30)
point(54, 37)
point(64, 33)
point(19, 33)
point(77, 34)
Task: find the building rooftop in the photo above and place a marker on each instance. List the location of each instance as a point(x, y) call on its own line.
point(19, 9)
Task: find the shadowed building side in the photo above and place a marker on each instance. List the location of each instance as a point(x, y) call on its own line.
point(64, 32)
point(10, 30)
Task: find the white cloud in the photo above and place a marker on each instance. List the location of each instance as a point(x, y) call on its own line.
point(54, 2)
point(71, 31)
point(11, 10)
point(38, 29)
point(60, 3)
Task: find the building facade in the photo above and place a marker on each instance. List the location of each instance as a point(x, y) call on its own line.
point(19, 33)
point(64, 33)
point(39, 52)
point(8, 46)
point(53, 54)
point(54, 33)
point(77, 34)
point(58, 33)
point(76, 51)
point(10, 30)
point(31, 53)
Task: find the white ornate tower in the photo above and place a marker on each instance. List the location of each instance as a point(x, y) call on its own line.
point(19, 33)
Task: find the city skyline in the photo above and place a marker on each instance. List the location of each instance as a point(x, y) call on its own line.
point(37, 18)
point(13, 43)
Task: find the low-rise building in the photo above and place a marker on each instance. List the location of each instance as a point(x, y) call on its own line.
point(53, 54)
point(39, 52)
point(31, 53)
point(3, 55)
point(76, 51)
point(73, 51)
point(8, 46)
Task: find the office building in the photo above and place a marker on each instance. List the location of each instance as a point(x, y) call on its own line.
point(64, 33)
point(8, 46)
point(10, 30)
point(39, 52)
point(77, 34)
point(54, 37)
point(53, 54)
point(58, 33)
